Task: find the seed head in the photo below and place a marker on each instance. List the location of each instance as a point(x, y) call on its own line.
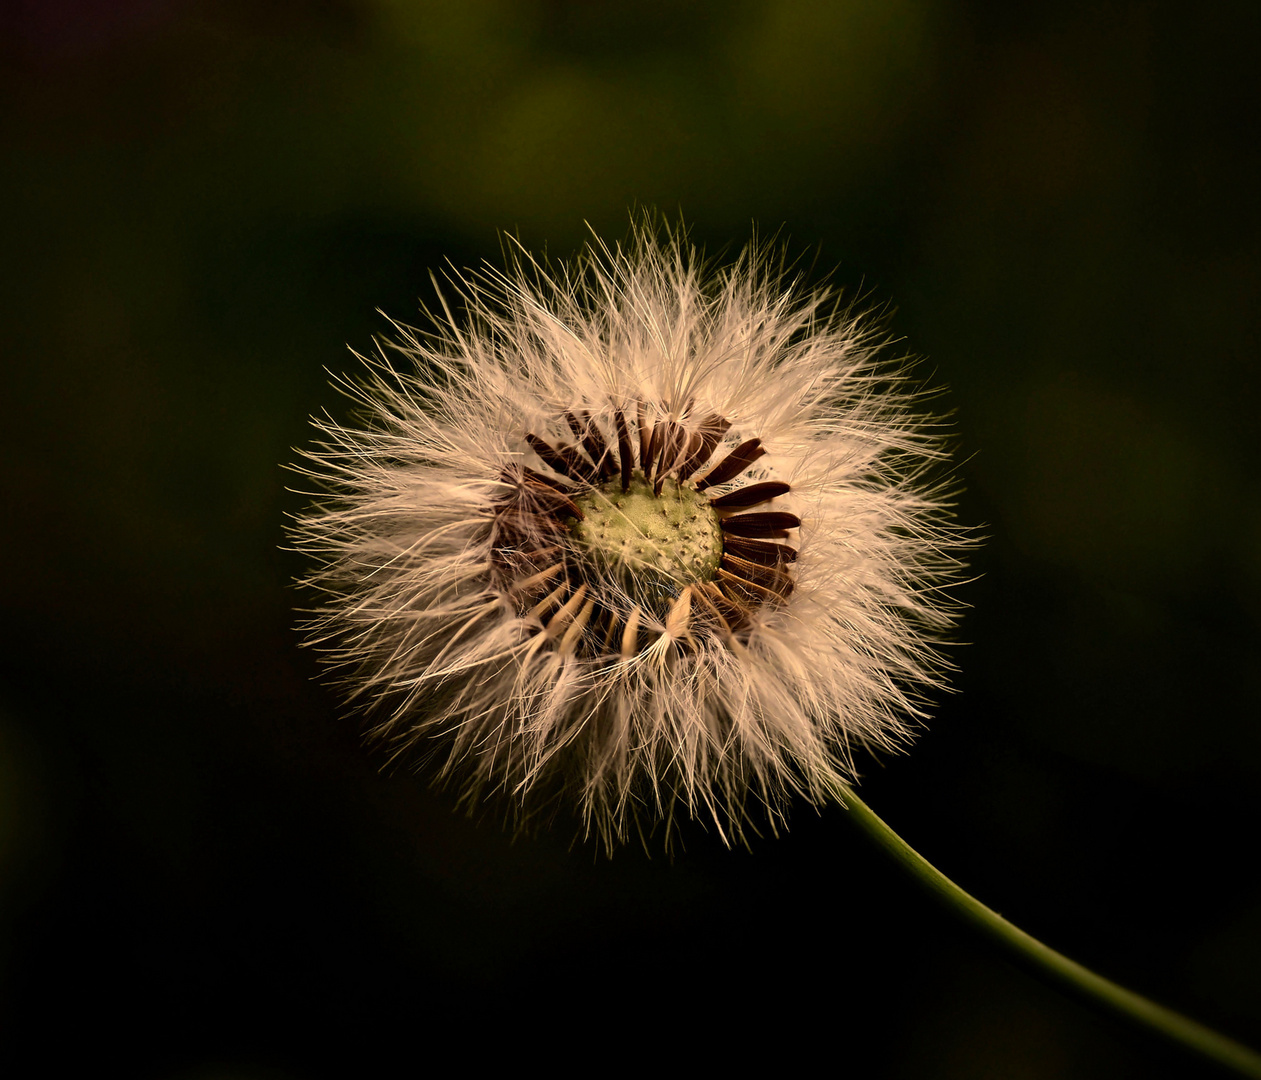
point(633, 536)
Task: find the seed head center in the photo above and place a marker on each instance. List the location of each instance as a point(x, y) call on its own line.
point(654, 545)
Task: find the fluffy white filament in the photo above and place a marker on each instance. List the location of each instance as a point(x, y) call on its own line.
point(550, 683)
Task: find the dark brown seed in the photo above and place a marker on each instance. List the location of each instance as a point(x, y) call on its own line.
point(772, 523)
point(564, 459)
point(733, 464)
point(547, 501)
point(670, 446)
point(743, 591)
point(538, 478)
point(711, 429)
point(764, 577)
point(692, 448)
point(537, 493)
point(759, 551)
point(672, 436)
point(576, 463)
point(730, 614)
point(625, 454)
point(645, 435)
point(593, 439)
point(654, 438)
point(751, 495)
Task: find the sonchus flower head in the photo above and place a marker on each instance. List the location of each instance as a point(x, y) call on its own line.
point(634, 536)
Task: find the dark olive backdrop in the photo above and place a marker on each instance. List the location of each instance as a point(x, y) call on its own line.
point(204, 876)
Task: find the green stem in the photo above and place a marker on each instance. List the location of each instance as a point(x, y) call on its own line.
point(1059, 969)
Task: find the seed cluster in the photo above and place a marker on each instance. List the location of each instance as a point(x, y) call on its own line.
point(615, 541)
point(558, 560)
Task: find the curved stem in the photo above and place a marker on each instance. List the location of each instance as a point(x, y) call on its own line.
point(1054, 966)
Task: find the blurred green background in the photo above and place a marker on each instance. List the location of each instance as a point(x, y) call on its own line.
point(203, 875)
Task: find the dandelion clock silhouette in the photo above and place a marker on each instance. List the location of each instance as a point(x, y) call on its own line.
point(637, 540)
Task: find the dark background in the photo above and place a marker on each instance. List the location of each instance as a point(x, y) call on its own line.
point(204, 876)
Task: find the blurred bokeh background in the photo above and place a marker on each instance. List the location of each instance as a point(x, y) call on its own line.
point(203, 203)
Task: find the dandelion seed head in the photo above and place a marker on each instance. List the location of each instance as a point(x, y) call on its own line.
point(635, 536)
